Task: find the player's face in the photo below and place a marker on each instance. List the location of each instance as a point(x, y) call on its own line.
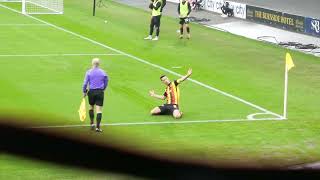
point(165, 80)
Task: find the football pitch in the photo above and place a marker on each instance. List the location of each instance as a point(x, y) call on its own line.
point(232, 105)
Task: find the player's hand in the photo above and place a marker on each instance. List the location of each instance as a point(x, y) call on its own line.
point(189, 72)
point(85, 93)
point(151, 93)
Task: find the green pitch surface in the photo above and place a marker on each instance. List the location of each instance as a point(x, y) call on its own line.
point(43, 60)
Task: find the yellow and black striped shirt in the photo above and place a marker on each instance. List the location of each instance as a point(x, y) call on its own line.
point(172, 93)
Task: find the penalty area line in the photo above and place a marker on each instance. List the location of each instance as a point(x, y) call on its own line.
point(159, 123)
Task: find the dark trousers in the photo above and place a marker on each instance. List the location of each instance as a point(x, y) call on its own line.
point(155, 22)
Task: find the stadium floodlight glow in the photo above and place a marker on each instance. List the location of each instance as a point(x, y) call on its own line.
point(39, 6)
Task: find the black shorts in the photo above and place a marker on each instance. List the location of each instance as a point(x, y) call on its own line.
point(155, 21)
point(167, 109)
point(184, 21)
point(96, 97)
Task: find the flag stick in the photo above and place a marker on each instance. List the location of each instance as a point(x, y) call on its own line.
point(285, 92)
point(94, 7)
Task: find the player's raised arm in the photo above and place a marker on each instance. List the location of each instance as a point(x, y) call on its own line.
point(185, 77)
point(152, 94)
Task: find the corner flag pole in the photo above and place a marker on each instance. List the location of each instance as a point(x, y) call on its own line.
point(285, 101)
point(94, 7)
point(288, 66)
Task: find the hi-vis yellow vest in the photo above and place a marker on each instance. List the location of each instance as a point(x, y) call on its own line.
point(156, 12)
point(184, 9)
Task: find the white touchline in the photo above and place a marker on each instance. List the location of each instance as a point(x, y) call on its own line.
point(24, 25)
point(157, 123)
point(148, 63)
point(48, 55)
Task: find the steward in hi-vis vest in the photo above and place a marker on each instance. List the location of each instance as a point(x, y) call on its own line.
point(156, 7)
point(184, 9)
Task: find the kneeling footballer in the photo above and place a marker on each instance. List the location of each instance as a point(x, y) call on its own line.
point(171, 95)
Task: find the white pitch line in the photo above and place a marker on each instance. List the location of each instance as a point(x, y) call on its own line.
point(176, 67)
point(148, 63)
point(251, 116)
point(48, 55)
point(163, 122)
point(24, 25)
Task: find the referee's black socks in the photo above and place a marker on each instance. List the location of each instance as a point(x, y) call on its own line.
point(99, 117)
point(91, 115)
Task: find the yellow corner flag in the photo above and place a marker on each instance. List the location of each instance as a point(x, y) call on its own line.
point(82, 110)
point(289, 61)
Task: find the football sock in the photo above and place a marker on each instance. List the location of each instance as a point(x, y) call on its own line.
point(99, 116)
point(188, 30)
point(91, 114)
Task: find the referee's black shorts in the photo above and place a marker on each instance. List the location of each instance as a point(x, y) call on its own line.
point(96, 97)
point(155, 21)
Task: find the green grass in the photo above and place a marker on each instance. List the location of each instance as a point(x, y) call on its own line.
point(22, 168)
point(51, 87)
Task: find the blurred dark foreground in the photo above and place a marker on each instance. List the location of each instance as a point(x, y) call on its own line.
point(43, 145)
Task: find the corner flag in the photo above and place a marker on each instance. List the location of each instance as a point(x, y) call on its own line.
point(289, 65)
point(82, 110)
point(289, 61)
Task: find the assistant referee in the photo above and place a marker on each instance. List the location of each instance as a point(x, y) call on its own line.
point(98, 82)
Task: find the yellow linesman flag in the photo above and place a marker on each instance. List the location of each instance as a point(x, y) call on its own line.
point(82, 110)
point(289, 61)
